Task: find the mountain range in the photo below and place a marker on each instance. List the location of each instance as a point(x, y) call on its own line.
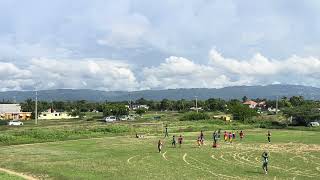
point(234, 92)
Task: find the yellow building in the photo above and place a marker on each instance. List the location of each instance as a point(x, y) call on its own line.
point(16, 116)
point(13, 112)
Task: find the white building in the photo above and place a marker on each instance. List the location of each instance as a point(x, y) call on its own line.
point(135, 107)
point(52, 114)
point(4, 108)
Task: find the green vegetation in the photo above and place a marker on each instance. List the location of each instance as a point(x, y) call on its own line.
point(89, 148)
point(6, 176)
point(131, 158)
point(115, 110)
point(141, 111)
point(194, 116)
point(241, 112)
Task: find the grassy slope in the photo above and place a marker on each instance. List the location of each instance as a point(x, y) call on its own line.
point(292, 154)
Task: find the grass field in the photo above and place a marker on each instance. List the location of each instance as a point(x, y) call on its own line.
point(9, 177)
point(293, 155)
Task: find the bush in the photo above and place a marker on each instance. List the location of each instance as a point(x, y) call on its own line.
point(141, 111)
point(273, 124)
point(193, 116)
point(2, 122)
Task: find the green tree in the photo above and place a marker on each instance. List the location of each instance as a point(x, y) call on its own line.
point(244, 98)
point(142, 101)
point(303, 114)
point(141, 111)
point(166, 104)
point(296, 100)
point(242, 112)
point(215, 104)
point(76, 112)
point(115, 110)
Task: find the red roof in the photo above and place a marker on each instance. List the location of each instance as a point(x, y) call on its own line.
point(250, 102)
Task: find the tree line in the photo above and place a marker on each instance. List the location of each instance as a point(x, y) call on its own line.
point(296, 107)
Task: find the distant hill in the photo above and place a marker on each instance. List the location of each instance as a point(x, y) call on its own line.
point(236, 92)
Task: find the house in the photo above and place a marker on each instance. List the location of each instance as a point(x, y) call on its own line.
point(13, 112)
point(52, 114)
point(138, 106)
point(273, 110)
point(251, 104)
point(195, 109)
point(16, 116)
point(9, 108)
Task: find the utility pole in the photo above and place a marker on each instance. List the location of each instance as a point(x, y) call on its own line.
point(277, 104)
point(36, 109)
point(129, 102)
point(197, 104)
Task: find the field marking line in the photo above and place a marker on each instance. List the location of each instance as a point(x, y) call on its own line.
point(213, 173)
point(164, 156)
point(223, 158)
point(184, 158)
point(128, 160)
point(213, 157)
point(18, 174)
point(297, 156)
point(290, 171)
point(294, 178)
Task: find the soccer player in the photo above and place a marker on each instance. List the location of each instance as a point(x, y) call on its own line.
point(215, 138)
point(166, 134)
point(174, 141)
point(201, 137)
point(265, 161)
point(269, 136)
point(180, 139)
point(230, 137)
point(160, 144)
point(241, 135)
point(199, 141)
point(225, 136)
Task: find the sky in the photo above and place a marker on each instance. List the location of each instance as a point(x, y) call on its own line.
point(158, 44)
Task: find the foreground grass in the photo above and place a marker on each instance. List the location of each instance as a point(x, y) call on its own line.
point(6, 176)
point(293, 154)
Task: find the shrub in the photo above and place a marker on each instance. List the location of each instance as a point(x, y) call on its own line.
point(193, 116)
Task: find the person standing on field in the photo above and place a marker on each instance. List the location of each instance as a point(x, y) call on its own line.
point(225, 136)
point(166, 134)
point(265, 161)
point(230, 137)
point(201, 137)
point(215, 139)
point(174, 142)
point(160, 144)
point(241, 135)
point(269, 136)
point(180, 139)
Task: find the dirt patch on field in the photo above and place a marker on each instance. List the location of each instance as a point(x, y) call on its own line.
point(17, 174)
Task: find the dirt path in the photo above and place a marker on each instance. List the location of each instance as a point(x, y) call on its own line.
point(18, 174)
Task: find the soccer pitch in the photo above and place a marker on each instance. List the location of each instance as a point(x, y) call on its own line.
point(293, 155)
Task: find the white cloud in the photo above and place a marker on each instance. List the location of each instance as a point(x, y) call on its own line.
point(178, 72)
point(43, 73)
point(174, 72)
